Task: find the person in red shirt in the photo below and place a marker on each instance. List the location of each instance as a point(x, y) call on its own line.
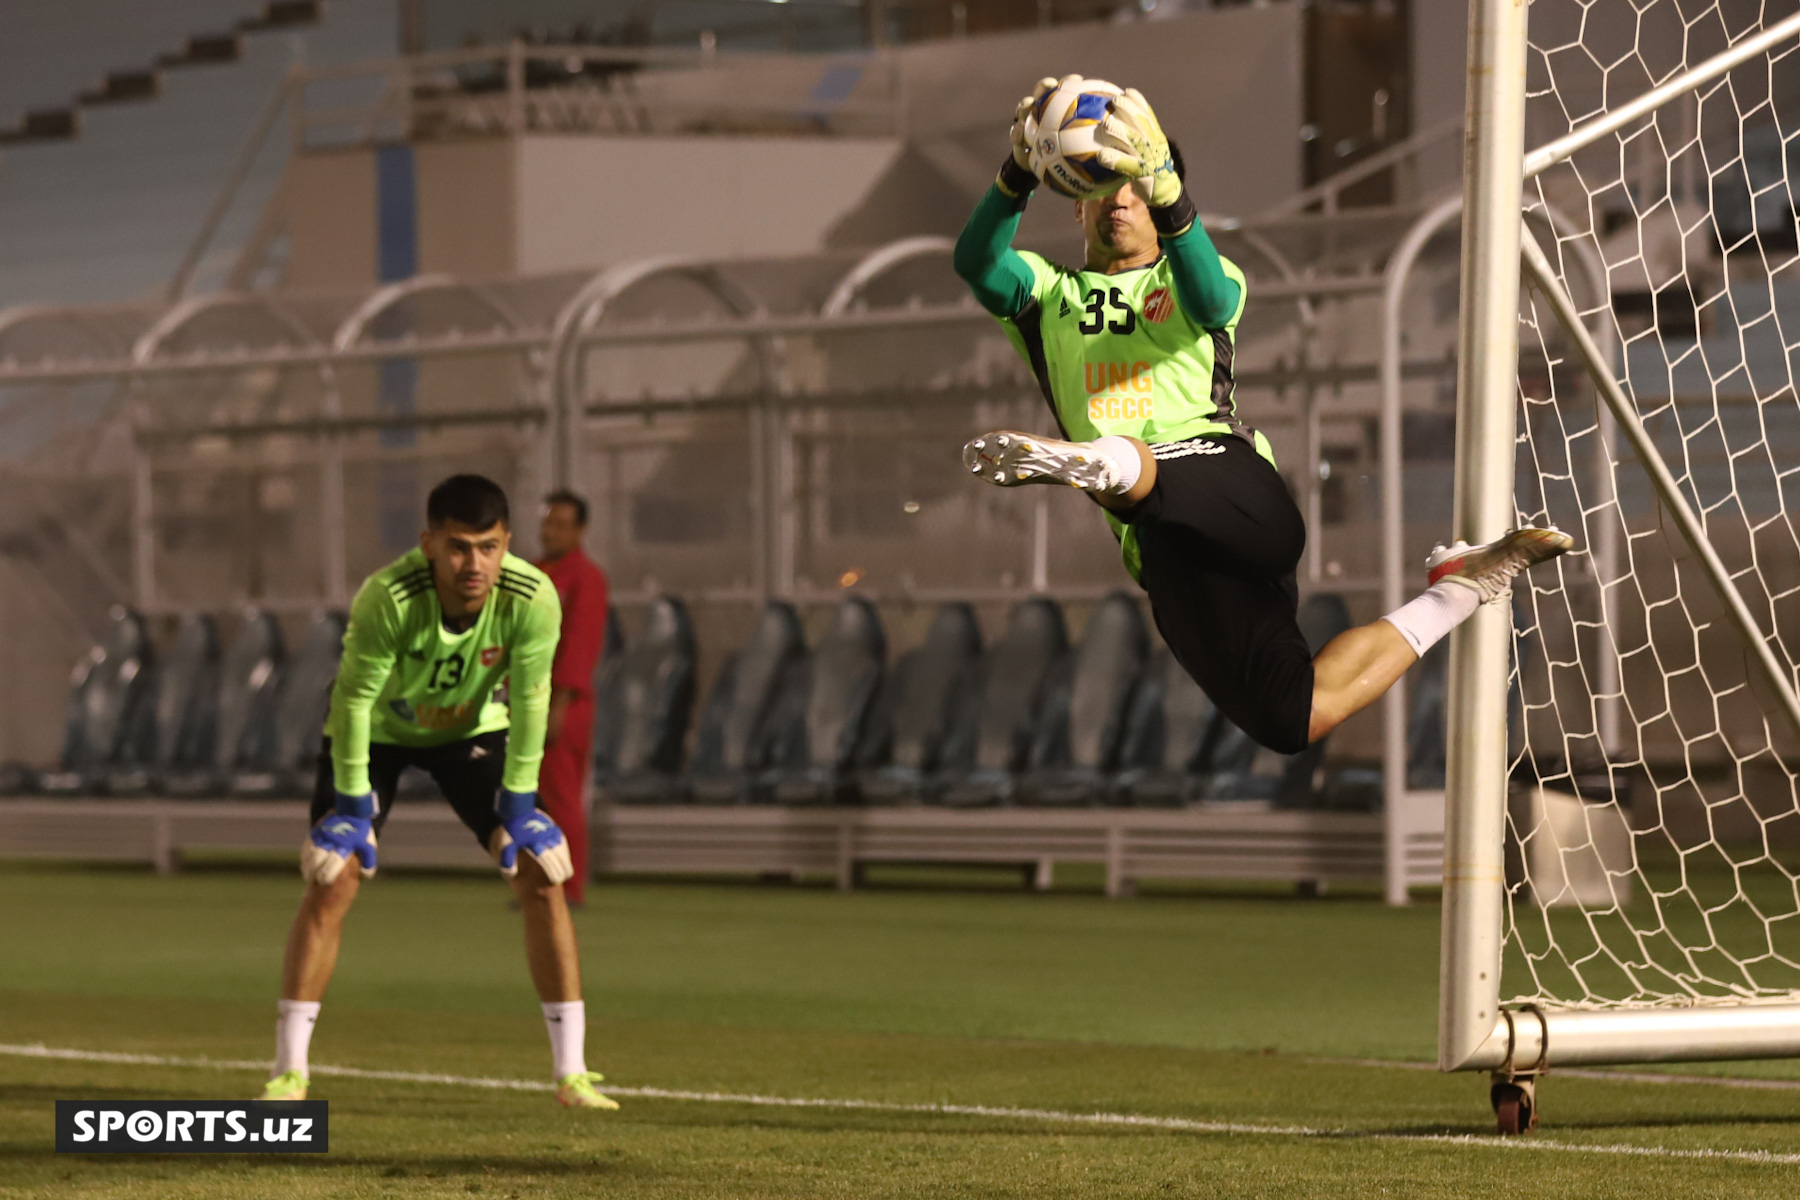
point(562, 780)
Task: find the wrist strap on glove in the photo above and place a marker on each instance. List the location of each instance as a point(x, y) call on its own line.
point(1173, 218)
point(356, 806)
point(1015, 181)
point(510, 806)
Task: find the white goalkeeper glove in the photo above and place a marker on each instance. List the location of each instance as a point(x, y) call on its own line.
point(1016, 176)
point(1133, 144)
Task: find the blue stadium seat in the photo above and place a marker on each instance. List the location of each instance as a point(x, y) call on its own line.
point(1082, 725)
point(913, 714)
point(734, 743)
point(643, 702)
point(182, 712)
point(104, 709)
point(249, 688)
point(993, 743)
point(820, 727)
point(288, 762)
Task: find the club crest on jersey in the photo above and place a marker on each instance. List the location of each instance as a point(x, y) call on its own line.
point(1119, 391)
point(1159, 306)
point(491, 655)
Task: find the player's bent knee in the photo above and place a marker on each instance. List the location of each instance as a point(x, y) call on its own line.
point(531, 883)
point(332, 899)
point(1282, 736)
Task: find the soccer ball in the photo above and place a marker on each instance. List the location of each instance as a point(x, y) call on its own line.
point(1062, 130)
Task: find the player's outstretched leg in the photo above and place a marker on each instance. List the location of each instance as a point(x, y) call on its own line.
point(1117, 471)
point(1360, 664)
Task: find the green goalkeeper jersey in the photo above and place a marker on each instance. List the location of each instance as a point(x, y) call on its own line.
point(407, 680)
point(1145, 353)
point(1119, 354)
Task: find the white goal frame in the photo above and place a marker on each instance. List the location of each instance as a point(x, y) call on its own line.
point(1474, 1032)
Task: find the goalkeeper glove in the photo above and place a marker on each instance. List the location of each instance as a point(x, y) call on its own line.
point(1016, 176)
point(524, 827)
point(338, 835)
point(1133, 144)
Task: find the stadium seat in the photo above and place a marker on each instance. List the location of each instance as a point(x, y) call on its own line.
point(292, 749)
point(818, 737)
point(995, 741)
point(1425, 725)
point(1166, 733)
point(1082, 725)
point(913, 713)
point(104, 709)
point(734, 742)
point(643, 703)
point(182, 711)
point(249, 686)
point(612, 641)
point(1239, 769)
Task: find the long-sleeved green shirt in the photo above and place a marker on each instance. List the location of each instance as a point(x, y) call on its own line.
point(406, 680)
point(1146, 352)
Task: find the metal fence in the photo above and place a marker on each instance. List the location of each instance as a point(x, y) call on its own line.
point(743, 429)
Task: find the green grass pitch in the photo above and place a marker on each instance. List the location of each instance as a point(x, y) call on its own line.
point(1272, 1043)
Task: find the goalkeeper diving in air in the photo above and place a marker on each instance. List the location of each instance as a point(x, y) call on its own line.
point(446, 668)
point(1134, 354)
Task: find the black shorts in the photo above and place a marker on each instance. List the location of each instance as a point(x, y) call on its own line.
point(466, 772)
point(1219, 538)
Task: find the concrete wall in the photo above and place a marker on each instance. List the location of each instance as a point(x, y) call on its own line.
point(589, 202)
point(331, 221)
point(1226, 85)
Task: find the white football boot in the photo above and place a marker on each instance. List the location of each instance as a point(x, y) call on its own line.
point(1009, 458)
point(1490, 569)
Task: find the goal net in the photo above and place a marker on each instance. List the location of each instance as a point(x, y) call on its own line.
point(1653, 819)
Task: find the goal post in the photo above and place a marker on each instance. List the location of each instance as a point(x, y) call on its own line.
point(1667, 440)
point(1487, 371)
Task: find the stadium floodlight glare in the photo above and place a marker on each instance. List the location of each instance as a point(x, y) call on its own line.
point(1659, 422)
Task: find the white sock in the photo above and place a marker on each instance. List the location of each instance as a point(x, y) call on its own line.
point(567, 1023)
point(293, 1034)
point(1426, 618)
point(1121, 454)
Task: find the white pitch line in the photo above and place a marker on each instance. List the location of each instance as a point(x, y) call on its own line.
point(1048, 1115)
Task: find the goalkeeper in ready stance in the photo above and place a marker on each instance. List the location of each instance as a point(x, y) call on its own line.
point(1134, 354)
point(446, 667)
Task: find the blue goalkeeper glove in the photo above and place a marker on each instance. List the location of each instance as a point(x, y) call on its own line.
point(524, 827)
point(338, 835)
